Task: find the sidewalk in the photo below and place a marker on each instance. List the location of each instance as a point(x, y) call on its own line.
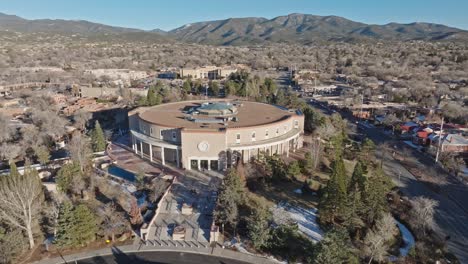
point(134, 249)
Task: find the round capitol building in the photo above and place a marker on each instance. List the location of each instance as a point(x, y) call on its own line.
point(214, 135)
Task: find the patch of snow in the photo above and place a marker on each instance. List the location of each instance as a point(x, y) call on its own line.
point(408, 239)
point(306, 219)
point(298, 191)
point(141, 200)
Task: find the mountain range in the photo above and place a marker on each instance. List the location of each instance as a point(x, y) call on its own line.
point(293, 28)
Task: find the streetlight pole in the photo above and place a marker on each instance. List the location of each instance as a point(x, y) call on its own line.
point(440, 140)
point(360, 112)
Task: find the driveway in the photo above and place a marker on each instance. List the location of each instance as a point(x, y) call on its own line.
point(159, 258)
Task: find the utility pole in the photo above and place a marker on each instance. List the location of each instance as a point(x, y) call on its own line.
point(440, 140)
point(360, 112)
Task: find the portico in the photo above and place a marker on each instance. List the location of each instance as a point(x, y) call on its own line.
point(150, 149)
point(290, 142)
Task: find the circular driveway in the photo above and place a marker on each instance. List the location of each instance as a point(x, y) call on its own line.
point(158, 258)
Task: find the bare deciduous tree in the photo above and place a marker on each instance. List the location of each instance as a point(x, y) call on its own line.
point(5, 130)
point(79, 150)
point(21, 199)
point(423, 213)
point(113, 221)
point(9, 151)
point(376, 241)
point(316, 151)
point(81, 119)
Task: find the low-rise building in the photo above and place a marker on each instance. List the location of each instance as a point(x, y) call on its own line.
point(454, 143)
point(214, 135)
point(207, 72)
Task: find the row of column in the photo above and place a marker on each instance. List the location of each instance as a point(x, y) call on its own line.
point(163, 161)
point(273, 149)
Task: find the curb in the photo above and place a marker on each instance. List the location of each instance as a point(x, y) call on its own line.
point(216, 252)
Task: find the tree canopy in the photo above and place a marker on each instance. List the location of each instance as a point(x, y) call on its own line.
point(98, 140)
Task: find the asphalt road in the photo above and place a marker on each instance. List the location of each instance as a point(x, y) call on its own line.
point(452, 213)
point(158, 258)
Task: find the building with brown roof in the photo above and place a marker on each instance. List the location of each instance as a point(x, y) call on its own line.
point(214, 135)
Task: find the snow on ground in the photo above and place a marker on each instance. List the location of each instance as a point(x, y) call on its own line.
point(408, 239)
point(130, 188)
point(141, 200)
point(306, 219)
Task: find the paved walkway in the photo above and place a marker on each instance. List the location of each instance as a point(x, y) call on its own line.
point(129, 161)
point(217, 251)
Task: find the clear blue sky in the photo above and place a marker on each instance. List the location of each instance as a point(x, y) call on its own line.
point(169, 14)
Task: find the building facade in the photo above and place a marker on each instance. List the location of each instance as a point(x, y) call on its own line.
point(207, 72)
point(214, 135)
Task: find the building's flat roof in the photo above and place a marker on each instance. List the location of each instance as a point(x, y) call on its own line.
point(249, 114)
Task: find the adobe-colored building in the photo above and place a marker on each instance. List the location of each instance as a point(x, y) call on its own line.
point(214, 135)
point(454, 143)
point(207, 72)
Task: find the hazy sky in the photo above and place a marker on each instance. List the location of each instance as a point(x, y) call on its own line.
point(169, 14)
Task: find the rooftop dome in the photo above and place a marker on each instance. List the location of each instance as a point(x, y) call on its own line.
point(217, 109)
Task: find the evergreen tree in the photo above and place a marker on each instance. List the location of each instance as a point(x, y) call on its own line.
point(142, 101)
point(335, 248)
point(258, 222)
point(154, 97)
point(358, 179)
point(230, 88)
point(65, 176)
point(354, 210)
point(280, 98)
point(334, 199)
point(84, 225)
point(312, 119)
point(375, 195)
point(277, 168)
point(307, 163)
point(353, 214)
point(234, 184)
point(231, 195)
point(76, 225)
point(337, 142)
point(199, 88)
point(270, 86)
point(98, 140)
point(294, 169)
point(366, 152)
point(214, 88)
point(187, 86)
point(64, 236)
